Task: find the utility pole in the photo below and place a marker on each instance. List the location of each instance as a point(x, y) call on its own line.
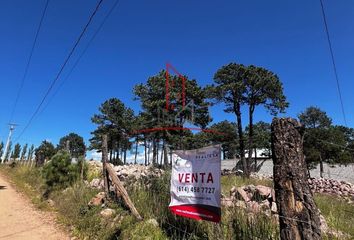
point(12, 128)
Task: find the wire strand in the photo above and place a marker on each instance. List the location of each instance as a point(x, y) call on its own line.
point(61, 69)
point(28, 61)
point(333, 62)
point(81, 55)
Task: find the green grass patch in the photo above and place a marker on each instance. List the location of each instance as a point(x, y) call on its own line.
point(229, 181)
point(143, 231)
point(153, 203)
point(338, 213)
point(73, 210)
point(28, 181)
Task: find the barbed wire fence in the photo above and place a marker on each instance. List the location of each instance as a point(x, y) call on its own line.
point(342, 173)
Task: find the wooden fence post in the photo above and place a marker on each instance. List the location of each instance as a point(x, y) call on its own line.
point(298, 215)
point(104, 161)
point(108, 171)
point(121, 192)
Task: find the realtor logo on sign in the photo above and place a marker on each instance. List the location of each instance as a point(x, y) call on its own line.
point(195, 183)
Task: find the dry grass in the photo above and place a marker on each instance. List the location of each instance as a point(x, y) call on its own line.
point(152, 203)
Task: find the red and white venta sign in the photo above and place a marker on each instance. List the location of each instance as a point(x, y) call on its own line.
point(195, 183)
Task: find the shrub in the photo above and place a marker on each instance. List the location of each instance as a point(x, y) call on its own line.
point(59, 172)
point(74, 211)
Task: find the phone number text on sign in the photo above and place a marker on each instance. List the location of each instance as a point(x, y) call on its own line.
point(195, 189)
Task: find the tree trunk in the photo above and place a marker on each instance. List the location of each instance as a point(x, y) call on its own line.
point(136, 150)
point(250, 137)
point(298, 215)
point(157, 152)
point(104, 161)
point(149, 153)
point(125, 156)
point(145, 153)
point(171, 156)
point(162, 152)
point(237, 110)
point(153, 151)
point(255, 160)
point(165, 156)
point(321, 166)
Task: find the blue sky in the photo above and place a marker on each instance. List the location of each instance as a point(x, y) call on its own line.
point(197, 37)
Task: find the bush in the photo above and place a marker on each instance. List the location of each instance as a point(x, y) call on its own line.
point(59, 172)
point(74, 211)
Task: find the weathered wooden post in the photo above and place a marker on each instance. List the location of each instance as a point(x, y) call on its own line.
point(298, 214)
point(108, 171)
point(104, 161)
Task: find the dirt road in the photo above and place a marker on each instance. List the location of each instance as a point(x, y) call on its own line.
point(20, 220)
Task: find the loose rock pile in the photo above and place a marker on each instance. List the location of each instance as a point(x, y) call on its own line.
point(132, 174)
point(317, 185)
point(252, 198)
point(261, 199)
point(331, 186)
point(137, 172)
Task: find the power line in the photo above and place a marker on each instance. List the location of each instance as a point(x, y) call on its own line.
point(82, 54)
point(333, 62)
point(28, 61)
point(62, 68)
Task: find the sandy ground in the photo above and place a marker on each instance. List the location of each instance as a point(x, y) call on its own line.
point(20, 220)
point(341, 173)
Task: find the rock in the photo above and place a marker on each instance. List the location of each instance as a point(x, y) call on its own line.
point(240, 204)
point(153, 222)
point(98, 199)
point(250, 188)
point(233, 190)
point(107, 213)
point(253, 206)
point(273, 195)
point(262, 193)
point(274, 208)
point(50, 202)
point(96, 183)
point(263, 190)
point(227, 202)
point(240, 194)
point(265, 205)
